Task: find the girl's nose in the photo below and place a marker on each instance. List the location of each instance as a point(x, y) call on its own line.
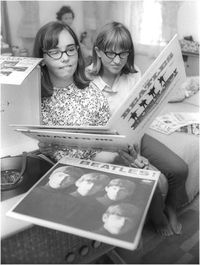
point(116, 59)
point(65, 57)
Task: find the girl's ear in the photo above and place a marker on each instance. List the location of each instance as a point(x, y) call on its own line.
point(97, 51)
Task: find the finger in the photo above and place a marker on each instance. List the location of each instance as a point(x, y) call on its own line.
point(133, 152)
point(44, 145)
point(138, 163)
point(136, 147)
point(126, 156)
point(125, 161)
point(134, 165)
point(125, 150)
point(41, 144)
point(45, 149)
point(145, 160)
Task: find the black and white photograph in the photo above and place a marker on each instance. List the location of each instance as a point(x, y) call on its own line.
point(96, 97)
point(96, 203)
point(101, 204)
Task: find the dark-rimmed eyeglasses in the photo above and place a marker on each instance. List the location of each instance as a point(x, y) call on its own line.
point(56, 54)
point(112, 55)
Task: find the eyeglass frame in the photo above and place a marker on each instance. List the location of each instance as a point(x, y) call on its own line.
point(117, 53)
point(61, 52)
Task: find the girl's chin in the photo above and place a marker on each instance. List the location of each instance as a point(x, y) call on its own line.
point(115, 71)
point(65, 75)
point(66, 71)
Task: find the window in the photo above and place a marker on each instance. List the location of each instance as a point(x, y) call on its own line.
point(151, 24)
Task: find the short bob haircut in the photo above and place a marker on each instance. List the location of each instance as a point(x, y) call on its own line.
point(114, 35)
point(47, 38)
point(63, 10)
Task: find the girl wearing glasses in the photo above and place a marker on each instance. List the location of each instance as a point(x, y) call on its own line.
point(113, 71)
point(66, 97)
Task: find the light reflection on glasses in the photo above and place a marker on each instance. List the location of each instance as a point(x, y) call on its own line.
point(112, 55)
point(56, 54)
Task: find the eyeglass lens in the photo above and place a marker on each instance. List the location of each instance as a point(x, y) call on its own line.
point(112, 55)
point(57, 54)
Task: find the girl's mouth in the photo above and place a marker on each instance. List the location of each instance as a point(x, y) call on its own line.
point(65, 67)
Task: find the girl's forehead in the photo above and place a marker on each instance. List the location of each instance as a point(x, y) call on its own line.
point(65, 38)
point(58, 38)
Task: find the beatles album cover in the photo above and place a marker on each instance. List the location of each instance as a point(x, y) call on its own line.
point(13, 70)
point(99, 201)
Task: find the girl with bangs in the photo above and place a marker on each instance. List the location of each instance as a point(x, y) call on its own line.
point(113, 71)
point(67, 100)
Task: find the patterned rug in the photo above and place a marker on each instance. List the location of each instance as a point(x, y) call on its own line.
point(154, 249)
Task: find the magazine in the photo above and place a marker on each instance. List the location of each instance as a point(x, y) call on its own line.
point(13, 70)
point(99, 201)
point(128, 124)
point(175, 121)
point(193, 129)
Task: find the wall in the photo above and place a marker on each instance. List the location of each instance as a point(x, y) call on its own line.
point(47, 12)
point(14, 16)
point(187, 23)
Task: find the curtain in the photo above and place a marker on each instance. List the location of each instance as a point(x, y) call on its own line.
point(98, 13)
point(29, 23)
point(5, 27)
point(169, 18)
point(151, 22)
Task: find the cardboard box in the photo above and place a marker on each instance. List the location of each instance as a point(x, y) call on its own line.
point(20, 104)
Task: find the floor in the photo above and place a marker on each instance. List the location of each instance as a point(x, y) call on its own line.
point(182, 249)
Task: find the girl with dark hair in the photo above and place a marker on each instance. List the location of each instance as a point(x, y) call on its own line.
point(46, 45)
point(66, 97)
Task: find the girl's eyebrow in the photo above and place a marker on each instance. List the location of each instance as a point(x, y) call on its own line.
point(67, 46)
